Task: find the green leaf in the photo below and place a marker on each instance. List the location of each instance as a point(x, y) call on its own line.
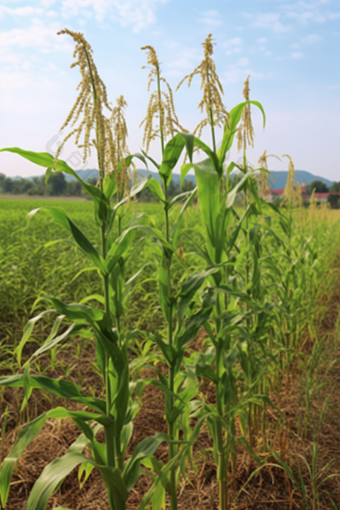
point(109, 185)
point(184, 172)
point(155, 188)
point(136, 188)
point(168, 249)
point(151, 159)
point(55, 340)
point(204, 370)
point(47, 174)
point(231, 196)
point(128, 159)
point(75, 311)
point(172, 152)
point(230, 128)
point(62, 412)
point(208, 196)
point(212, 156)
point(61, 218)
point(55, 473)
point(167, 350)
point(27, 333)
point(187, 203)
point(118, 248)
point(144, 449)
point(47, 160)
point(26, 435)
point(181, 196)
point(164, 288)
point(59, 387)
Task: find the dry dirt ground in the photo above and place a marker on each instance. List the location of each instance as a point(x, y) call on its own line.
point(270, 488)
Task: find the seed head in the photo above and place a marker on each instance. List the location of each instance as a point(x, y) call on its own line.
point(291, 191)
point(263, 178)
point(117, 149)
point(245, 135)
point(90, 101)
point(161, 105)
point(212, 90)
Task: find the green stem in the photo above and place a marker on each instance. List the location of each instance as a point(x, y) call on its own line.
point(109, 431)
point(172, 447)
point(221, 464)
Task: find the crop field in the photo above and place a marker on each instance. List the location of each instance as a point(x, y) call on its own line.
point(270, 355)
point(182, 354)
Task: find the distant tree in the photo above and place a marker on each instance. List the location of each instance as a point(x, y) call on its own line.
point(334, 200)
point(7, 185)
point(56, 184)
point(2, 180)
point(188, 186)
point(319, 186)
point(335, 187)
point(73, 188)
point(92, 180)
point(173, 189)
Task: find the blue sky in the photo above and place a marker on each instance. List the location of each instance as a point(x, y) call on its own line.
point(291, 50)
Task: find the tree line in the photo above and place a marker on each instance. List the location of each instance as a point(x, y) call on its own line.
point(58, 186)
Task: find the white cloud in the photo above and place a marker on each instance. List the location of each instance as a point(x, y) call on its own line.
point(38, 34)
point(47, 3)
point(238, 72)
point(310, 12)
point(211, 18)
point(233, 45)
point(243, 62)
point(262, 40)
point(189, 60)
point(239, 75)
point(138, 14)
point(15, 81)
point(270, 21)
point(297, 55)
point(312, 38)
point(28, 10)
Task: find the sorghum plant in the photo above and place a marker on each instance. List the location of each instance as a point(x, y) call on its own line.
point(116, 412)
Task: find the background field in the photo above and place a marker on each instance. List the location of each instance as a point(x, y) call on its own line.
point(31, 264)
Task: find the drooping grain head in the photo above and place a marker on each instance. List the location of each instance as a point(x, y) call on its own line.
point(245, 135)
point(217, 114)
point(290, 192)
point(116, 148)
point(263, 179)
point(161, 105)
point(89, 103)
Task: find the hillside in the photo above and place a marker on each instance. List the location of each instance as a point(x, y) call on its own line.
point(279, 176)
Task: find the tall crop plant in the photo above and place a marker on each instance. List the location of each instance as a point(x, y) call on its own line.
point(180, 386)
point(116, 412)
point(217, 194)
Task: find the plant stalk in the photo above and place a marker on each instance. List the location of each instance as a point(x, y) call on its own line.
point(172, 447)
